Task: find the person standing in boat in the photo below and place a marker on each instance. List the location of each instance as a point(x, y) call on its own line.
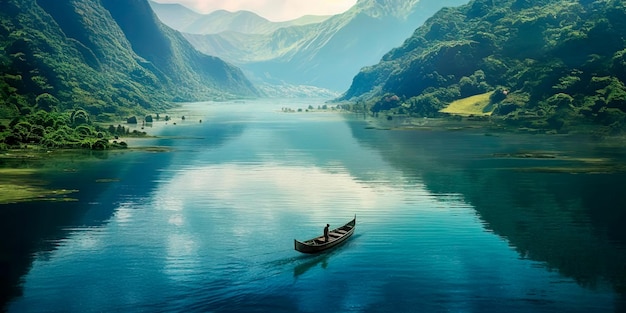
point(326, 232)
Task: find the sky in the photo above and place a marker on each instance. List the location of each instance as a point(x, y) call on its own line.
point(273, 10)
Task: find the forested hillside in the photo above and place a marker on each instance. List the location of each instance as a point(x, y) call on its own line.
point(104, 58)
point(551, 64)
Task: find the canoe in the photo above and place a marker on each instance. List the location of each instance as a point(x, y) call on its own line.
point(335, 237)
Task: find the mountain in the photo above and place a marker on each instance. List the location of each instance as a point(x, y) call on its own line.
point(188, 21)
point(105, 56)
point(550, 64)
point(324, 54)
point(175, 15)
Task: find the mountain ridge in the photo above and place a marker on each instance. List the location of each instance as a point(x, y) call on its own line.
point(189, 21)
point(175, 15)
point(324, 54)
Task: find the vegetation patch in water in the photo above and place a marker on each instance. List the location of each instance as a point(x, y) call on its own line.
point(18, 186)
point(606, 169)
point(566, 164)
point(107, 180)
point(527, 155)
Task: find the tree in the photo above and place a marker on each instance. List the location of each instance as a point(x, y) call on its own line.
point(46, 102)
point(79, 117)
point(474, 84)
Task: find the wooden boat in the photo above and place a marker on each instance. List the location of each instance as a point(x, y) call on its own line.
point(335, 237)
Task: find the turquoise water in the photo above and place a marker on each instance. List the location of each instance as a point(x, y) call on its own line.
point(445, 223)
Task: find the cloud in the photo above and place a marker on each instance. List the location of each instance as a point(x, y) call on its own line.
point(274, 10)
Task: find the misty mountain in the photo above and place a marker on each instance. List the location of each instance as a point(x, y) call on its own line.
point(325, 54)
point(105, 56)
point(188, 21)
point(174, 15)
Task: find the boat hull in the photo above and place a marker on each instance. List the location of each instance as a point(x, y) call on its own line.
point(337, 236)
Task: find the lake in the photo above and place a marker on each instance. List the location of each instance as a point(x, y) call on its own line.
point(447, 221)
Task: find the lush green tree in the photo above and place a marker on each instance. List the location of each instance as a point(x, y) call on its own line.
point(474, 84)
point(46, 102)
point(79, 117)
point(55, 130)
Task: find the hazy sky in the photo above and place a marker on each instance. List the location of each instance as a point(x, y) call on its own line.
point(273, 10)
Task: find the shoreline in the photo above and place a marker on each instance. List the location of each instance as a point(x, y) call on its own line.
point(22, 168)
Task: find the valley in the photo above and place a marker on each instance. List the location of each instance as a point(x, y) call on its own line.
point(169, 158)
point(323, 52)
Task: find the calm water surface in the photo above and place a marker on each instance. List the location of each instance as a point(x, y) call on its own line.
point(446, 221)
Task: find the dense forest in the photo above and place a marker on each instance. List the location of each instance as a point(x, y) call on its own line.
point(553, 65)
point(105, 59)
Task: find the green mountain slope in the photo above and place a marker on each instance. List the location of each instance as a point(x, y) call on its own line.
point(553, 64)
point(325, 54)
point(104, 56)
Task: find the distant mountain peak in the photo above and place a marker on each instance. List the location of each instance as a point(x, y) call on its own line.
point(244, 13)
point(396, 8)
point(220, 21)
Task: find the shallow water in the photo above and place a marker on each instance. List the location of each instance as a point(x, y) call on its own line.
point(446, 221)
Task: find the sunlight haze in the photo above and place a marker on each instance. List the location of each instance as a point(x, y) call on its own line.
point(273, 10)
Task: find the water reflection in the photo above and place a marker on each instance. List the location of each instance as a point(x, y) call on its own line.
point(105, 181)
point(572, 222)
point(308, 262)
point(311, 262)
point(34, 230)
point(210, 227)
